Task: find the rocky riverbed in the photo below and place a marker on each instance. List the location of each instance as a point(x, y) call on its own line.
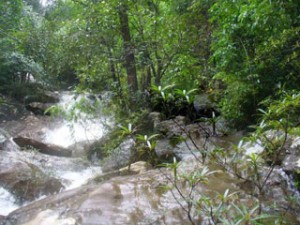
point(46, 178)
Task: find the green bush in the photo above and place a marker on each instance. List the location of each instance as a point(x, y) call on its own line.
point(16, 66)
point(173, 102)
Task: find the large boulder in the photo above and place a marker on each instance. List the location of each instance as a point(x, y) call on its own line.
point(120, 157)
point(155, 118)
point(137, 199)
point(29, 126)
point(173, 127)
point(287, 154)
point(9, 145)
point(42, 97)
point(51, 97)
point(39, 103)
point(3, 136)
point(134, 168)
point(291, 162)
point(10, 109)
point(48, 149)
point(81, 148)
point(204, 106)
point(24, 180)
point(39, 108)
point(180, 139)
point(166, 149)
point(181, 126)
point(2, 218)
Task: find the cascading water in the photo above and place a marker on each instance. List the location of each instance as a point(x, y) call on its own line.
point(46, 3)
point(84, 128)
point(290, 183)
point(71, 172)
point(7, 204)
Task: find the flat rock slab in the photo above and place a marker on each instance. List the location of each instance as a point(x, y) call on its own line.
point(39, 108)
point(44, 148)
point(24, 180)
point(140, 199)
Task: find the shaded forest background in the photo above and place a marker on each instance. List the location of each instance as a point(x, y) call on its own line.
point(240, 53)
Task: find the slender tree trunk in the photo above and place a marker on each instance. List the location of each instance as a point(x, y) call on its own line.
point(147, 70)
point(129, 55)
point(23, 77)
point(158, 74)
point(112, 65)
point(146, 79)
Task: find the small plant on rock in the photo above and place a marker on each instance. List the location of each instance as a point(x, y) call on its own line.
point(147, 147)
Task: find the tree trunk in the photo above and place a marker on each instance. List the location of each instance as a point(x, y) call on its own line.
point(129, 55)
point(146, 79)
point(112, 65)
point(158, 74)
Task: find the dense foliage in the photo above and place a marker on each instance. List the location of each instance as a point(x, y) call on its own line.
point(239, 52)
point(172, 56)
point(256, 51)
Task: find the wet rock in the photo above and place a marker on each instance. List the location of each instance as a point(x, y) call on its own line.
point(94, 97)
point(42, 97)
point(184, 140)
point(48, 149)
point(134, 168)
point(48, 217)
point(120, 157)
point(204, 106)
point(2, 219)
point(3, 137)
point(155, 118)
point(173, 127)
point(51, 97)
point(29, 126)
point(164, 148)
point(183, 149)
point(88, 148)
point(287, 156)
point(223, 127)
point(39, 108)
point(96, 150)
point(9, 146)
point(81, 149)
point(138, 199)
point(274, 187)
point(253, 147)
point(180, 126)
point(278, 189)
point(10, 109)
point(24, 180)
point(291, 162)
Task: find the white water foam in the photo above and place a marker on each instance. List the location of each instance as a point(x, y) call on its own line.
point(85, 128)
point(7, 202)
point(69, 133)
point(253, 148)
point(72, 172)
point(290, 183)
point(76, 179)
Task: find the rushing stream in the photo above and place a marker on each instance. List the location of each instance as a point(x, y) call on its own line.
point(78, 198)
point(71, 172)
point(7, 202)
point(85, 128)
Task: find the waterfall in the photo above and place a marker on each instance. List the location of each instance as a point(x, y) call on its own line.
point(7, 204)
point(85, 127)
